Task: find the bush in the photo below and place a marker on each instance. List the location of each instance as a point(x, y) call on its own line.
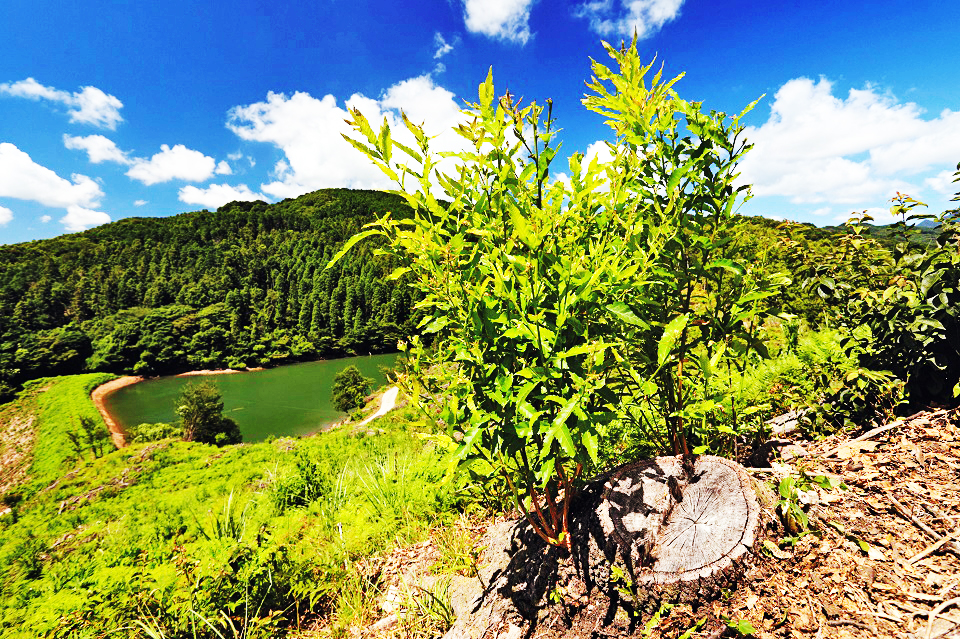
point(899, 307)
point(555, 307)
point(200, 408)
point(153, 432)
point(349, 389)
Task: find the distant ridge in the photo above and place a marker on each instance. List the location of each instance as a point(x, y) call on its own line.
point(242, 286)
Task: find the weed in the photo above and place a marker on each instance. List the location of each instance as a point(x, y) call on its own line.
point(228, 524)
point(793, 492)
point(459, 554)
point(741, 627)
point(428, 612)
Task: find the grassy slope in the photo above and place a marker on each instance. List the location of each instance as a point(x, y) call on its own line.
point(165, 535)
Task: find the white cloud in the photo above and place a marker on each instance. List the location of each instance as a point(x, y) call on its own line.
point(624, 17)
point(99, 148)
point(943, 182)
point(139, 202)
point(80, 219)
point(33, 90)
point(599, 150)
point(174, 163)
point(442, 46)
point(177, 163)
point(233, 157)
point(5, 215)
point(503, 19)
point(88, 106)
point(24, 179)
point(816, 147)
point(216, 195)
point(45, 219)
point(308, 130)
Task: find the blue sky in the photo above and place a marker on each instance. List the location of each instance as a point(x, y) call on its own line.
point(114, 109)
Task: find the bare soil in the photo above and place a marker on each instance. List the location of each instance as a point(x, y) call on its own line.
point(17, 439)
point(881, 560)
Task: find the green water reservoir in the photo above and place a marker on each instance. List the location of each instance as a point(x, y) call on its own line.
point(287, 400)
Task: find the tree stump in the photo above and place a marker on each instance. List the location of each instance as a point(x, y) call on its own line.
point(682, 528)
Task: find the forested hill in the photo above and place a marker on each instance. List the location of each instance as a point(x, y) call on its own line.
point(242, 286)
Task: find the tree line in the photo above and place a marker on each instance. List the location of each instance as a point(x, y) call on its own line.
point(244, 286)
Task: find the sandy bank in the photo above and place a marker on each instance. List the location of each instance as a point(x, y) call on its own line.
point(99, 395)
point(218, 371)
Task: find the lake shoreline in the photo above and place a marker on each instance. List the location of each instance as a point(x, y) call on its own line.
point(219, 371)
point(122, 411)
point(99, 395)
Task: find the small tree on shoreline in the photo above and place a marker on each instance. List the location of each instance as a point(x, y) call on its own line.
point(349, 389)
point(200, 409)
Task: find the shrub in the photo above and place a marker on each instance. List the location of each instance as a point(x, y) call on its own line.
point(153, 432)
point(349, 389)
point(899, 307)
point(556, 307)
point(200, 408)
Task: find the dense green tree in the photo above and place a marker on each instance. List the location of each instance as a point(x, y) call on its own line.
point(200, 409)
point(349, 389)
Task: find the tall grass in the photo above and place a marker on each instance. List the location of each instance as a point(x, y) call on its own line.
point(181, 539)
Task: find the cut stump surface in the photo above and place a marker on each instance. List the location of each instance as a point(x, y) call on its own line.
point(677, 526)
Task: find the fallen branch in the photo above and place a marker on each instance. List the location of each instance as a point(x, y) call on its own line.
point(867, 435)
point(932, 549)
point(919, 524)
point(882, 615)
point(939, 609)
point(848, 622)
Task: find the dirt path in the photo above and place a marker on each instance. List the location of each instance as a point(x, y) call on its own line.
point(99, 396)
point(387, 402)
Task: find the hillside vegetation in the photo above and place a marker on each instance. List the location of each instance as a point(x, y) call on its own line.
point(180, 539)
point(241, 287)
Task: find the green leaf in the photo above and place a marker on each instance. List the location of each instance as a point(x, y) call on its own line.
point(584, 349)
point(677, 175)
point(625, 314)
point(361, 124)
point(350, 244)
point(522, 229)
point(436, 325)
point(562, 434)
point(565, 412)
point(397, 273)
point(670, 336)
point(726, 264)
point(591, 442)
point(486, 90)
point(385, 143)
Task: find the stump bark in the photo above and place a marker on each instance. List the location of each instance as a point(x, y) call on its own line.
point(682, 528)
point(676, 533)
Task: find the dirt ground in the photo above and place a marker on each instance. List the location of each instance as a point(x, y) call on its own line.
point(882, 560)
